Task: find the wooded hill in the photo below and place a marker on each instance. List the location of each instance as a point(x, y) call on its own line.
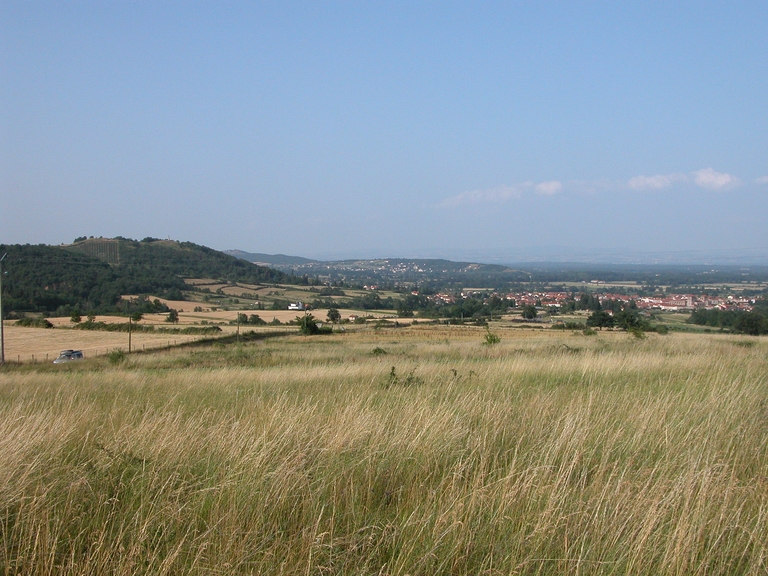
point(92, 274)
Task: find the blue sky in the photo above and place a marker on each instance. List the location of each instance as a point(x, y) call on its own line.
point(509, 130)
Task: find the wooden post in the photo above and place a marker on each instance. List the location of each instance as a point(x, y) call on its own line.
point(2, 335)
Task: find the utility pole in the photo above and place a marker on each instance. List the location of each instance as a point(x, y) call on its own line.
point(2, 336)
point(129, 333)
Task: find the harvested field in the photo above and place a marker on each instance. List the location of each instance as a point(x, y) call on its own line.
point(37, 344)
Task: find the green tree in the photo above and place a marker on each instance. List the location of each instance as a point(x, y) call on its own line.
point(75, 318)
point(530, 312)
point(752, 323)
point(589, 302)
point(308, 325)
point(628, 319)
point(173, 316)
point(255, 320)
point(600, 319)
point(403, 310)
point(333, 315)
point(138, 317)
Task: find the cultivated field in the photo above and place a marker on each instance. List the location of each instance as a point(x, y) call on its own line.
point(39, 345)
point(394, 451)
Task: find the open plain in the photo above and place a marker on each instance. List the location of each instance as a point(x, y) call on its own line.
point(417, 450)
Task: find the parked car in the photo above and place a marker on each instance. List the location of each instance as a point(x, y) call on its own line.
point(69, 356)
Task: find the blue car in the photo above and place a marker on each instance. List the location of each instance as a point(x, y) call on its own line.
point(69, 356)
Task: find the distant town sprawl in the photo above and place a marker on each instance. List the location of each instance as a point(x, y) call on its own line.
point(675, 302)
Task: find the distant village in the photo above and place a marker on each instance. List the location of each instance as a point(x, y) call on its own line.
point(672, 303)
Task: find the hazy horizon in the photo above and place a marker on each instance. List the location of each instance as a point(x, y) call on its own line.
point(554, 255)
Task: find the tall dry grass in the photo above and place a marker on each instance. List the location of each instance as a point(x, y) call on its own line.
point(545, 454)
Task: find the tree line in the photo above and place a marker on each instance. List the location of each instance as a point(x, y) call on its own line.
point(753, 323)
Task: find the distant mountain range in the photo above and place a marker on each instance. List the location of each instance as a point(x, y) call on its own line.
point(448, 274)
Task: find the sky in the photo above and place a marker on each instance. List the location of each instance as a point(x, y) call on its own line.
point(494, 131)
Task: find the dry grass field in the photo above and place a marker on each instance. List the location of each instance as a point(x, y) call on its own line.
point(415, 451)
point(39, 345)
point(36, 344)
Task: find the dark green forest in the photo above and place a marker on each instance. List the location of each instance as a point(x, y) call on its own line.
point(754, 322)
point(59, 279)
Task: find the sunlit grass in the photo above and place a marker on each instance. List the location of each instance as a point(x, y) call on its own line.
point(544, 454)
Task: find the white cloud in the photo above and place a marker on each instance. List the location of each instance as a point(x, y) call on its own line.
point(761, 180)
point(712, 180)
point(706, 178)
point(549, 188)
point(657, 182)
point(497, 195)
point(502, 194)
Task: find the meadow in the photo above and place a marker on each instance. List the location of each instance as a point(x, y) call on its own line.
point(415, 451)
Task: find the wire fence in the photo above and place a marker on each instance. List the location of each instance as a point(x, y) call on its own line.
point(42, 352)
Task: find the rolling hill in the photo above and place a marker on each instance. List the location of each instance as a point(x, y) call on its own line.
point(276, 260)
point(92, 274)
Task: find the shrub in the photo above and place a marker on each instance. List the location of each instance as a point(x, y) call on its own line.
point(308, 326)
point(636, 332)
point(490, 339)
point(569, 325)
point(116, 356)
point(36, 322)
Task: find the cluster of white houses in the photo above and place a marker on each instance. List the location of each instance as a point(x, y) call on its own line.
point(674, 302)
